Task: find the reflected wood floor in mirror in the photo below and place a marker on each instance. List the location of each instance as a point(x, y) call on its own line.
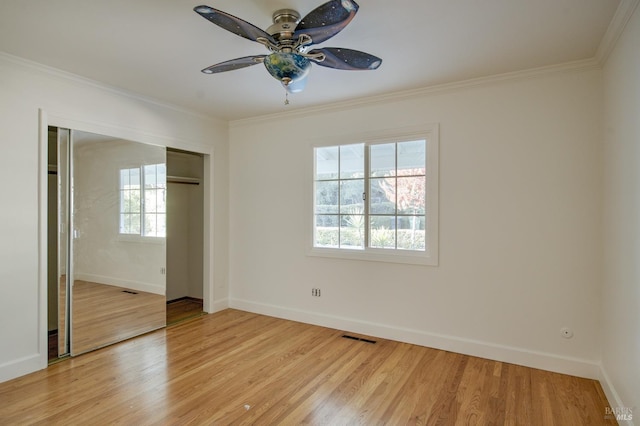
point(234, 367)
point(103, 314)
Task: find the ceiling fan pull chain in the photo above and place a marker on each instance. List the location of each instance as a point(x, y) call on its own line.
point(286, 97)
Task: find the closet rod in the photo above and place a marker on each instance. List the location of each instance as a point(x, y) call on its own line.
point(184, 180)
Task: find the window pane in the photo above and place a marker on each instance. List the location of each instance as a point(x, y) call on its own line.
point(161, 175)
point(382, 193)
point(124, 178)
point(382, 159)
point(352, 231)
point(155, 225)
point(150, 225)
point(327, 163)
point(123, 224)
point(161, 223)
point(135, 224)
point(161, 201)
point(382, 232)
point(327, 233)
point(150, 176)
point(130, 223)
point(351, 196)
point(150, 201)
point(411, 233)
point(131, 201)
point(411, 158)
point(122, 202)
point(352, 161)
point(326, 197)
point(411, 195)
point(134, 178)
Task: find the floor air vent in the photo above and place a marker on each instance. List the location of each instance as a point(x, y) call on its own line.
point(346, 336)
point(129, 291)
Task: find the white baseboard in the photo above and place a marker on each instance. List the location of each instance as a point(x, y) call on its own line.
point(131, 285)
point(20, 367)
point(534, 359)
point(612, 396)
point(219, 305)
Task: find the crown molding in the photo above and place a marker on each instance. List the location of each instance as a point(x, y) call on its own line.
point(620, 19)
point(573, 66)
point(616, 27)
point(65, 75)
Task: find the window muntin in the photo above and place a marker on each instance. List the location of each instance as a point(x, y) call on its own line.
point(371, 196)
point(143, 200)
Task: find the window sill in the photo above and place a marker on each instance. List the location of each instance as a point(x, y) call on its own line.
point(373, 255)
point(139, 239)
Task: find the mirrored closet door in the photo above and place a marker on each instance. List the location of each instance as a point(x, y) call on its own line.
point(112, 240)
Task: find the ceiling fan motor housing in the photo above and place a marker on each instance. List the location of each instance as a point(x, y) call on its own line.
point(284, 24)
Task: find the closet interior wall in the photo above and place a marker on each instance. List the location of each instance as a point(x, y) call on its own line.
point(185, 206)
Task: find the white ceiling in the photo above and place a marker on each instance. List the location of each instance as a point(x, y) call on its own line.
point(157, 48)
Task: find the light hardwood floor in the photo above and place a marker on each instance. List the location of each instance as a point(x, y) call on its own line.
point(183, 309)
point(235, 367)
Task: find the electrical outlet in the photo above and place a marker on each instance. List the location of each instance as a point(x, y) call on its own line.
point(315, 292)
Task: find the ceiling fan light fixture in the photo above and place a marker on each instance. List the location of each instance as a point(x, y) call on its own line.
point(287, 68)
point(296, 86)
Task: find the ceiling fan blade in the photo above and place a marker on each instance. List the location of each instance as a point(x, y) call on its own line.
point(234, 64)
point(327, 20)
point(232, 23)
point(346, 59)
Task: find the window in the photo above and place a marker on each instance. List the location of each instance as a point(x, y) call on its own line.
point(377, 200)
point(143, 200)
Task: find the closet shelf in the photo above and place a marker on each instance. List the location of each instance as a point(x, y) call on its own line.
point(183, 179)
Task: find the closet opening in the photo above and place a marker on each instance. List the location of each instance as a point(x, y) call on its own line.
point(185, 230)
point(56, 348)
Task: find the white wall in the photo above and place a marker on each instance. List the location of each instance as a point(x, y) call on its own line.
point(25, 90)
point(520, 217)
point(621, 290)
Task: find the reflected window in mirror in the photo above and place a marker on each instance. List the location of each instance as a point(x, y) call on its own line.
point(143, 200)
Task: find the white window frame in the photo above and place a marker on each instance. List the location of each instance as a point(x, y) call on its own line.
point(142, 235)
point(427, 257)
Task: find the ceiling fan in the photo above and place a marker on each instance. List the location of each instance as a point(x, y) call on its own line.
point(289, 40)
